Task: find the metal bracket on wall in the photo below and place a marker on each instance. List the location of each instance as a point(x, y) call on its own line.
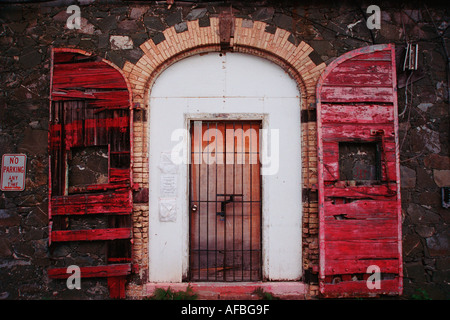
point(411, 57)
point(226, 30)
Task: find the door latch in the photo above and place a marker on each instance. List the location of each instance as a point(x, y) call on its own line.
point(221, 213)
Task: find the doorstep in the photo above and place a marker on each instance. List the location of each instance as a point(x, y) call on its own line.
point(234, 290)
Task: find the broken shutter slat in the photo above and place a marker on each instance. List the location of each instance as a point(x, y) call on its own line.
point(367, 114)
point(119, 175)
point(110, 203)
point(353, 266)
point(104, 198)
point(359, 288)
point(91, 235)
point(116, 287)
point(359, 196)
point(112, 270)
point(361, 94)
point(357, 131)
point(362, 192)
point(361, 209)
point(361, 229)
point(90, 159)
point(361, 249)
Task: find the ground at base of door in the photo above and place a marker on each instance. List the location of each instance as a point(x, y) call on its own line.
point(235, 290)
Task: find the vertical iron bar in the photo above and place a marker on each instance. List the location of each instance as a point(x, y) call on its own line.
point(215, 219)
point(207, 209)
point(251, 203)
point(225, 191)
point(190, 202)
point(242, 225)
point(234, 219)
point(260, 209)
point(200, 155)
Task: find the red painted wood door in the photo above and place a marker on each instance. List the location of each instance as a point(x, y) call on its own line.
point(225, 201)
point(359, 180)
point(90, 162)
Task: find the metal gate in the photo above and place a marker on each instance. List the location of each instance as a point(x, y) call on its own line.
point(225, 201)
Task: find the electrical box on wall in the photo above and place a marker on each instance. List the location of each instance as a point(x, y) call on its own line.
point(411, 57)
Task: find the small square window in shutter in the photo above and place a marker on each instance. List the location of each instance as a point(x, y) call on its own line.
point(359, 180)
point(90, 159)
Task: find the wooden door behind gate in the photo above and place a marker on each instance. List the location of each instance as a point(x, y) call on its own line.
point(225, 201)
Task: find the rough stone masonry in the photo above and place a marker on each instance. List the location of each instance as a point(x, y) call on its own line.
point(114, 30)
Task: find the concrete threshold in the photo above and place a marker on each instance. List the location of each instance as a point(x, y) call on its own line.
point(235, 290)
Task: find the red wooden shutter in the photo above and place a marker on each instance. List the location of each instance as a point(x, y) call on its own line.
point(90, 132)
point(359, 176)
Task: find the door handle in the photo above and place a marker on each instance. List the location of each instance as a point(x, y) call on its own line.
point(224, 203)
point(194, 208)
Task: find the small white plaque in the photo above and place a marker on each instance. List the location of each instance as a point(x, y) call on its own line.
point(167, 210)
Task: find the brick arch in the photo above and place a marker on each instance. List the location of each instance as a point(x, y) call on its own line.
point(251, 38)
point(255, 38)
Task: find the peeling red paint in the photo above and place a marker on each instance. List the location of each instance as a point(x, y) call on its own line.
point(359, 221)
point(91, 107)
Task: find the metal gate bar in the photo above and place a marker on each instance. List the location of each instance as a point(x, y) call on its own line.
point(218, 253)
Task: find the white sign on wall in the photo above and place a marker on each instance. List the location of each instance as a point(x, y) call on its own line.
point(13, 172)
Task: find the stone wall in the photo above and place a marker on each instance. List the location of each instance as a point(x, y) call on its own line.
point(116, 30)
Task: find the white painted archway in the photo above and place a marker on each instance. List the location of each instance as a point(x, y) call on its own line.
point(227, 86)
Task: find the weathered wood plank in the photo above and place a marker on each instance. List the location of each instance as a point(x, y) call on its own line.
point(55, 136)
point(362, 73)
point(360, 229)
point(331, 170)
point(112, 203)
point(392, 172)
point(361, 114)
point(362, 209)
point(116, 208)
point(330, 159)
point(382, 55)
point(112, 270)
point(75, 127)
point(109, 99)
point(359, 288)
point(343, 132)
point(119, 175)
point(116, 287)
point(356, 94)
point(356, 192)
point(101, 198)
point(361, 249)
point(91, 235)
point(86, 75)
point(336, 267)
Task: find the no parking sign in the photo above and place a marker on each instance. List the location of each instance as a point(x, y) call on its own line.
point(13, 172)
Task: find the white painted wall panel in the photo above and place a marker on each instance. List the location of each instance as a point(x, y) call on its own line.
point(201, 87)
